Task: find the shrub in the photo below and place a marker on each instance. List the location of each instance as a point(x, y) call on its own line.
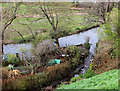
point(89, 73)
point(12, 59)
point(26, 39)
point(74, 79)
point(40, 37)
point(58, 34)
point(110, 30)
point(44, 50)
point(76, 54)
point(58, 71)
point(87, 45)
point(39, 80)
point(4, 72)
point(53, 73)
point(72, 51)
point(13, 84)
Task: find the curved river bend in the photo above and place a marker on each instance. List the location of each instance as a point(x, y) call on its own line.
point(74, 39)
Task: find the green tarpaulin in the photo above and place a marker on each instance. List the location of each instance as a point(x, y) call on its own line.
point(55, 61)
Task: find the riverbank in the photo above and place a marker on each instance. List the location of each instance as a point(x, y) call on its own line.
point(105, 58)
point(72, 33)
point(107, 80)
point(105, 65)
point(52, 73)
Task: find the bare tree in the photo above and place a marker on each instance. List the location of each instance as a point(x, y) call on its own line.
point(0, 34)
point(103, 8)
point(99, 10)
point(18, 33)
point(52, 11)
point(9, 19)
point(52, 17)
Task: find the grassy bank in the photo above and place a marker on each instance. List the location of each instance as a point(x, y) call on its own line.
point(107, 80)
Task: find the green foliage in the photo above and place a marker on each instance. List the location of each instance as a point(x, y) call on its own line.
point(107, 80)
point(12, 59)
point(77, 28)
point(10, 67)
point(40, 80)
point(63, 83)
point(110, 29)
point(58, 33)
point(76, 54)
point(21, 40)
point(72, 50)
point(89, 73)
point(87, 45)
point(81, 76)
point(74, 79)
point(40, 37)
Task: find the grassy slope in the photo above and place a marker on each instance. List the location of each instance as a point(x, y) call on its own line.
point(107, 80)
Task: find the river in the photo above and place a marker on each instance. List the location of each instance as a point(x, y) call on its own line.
point(80, 38)
point(74, 39)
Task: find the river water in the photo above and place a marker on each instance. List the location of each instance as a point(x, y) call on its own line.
point(74, 39)
point(18, 48)
point(80, 38)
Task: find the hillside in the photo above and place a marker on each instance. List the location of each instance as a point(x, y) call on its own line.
point(107, 80)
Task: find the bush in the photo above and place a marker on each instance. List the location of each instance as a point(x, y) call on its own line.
point(74, 79)
point(13, 84)
point(40, 37)
point(110, 30)
point(89, 73)
point(76, 54)
point(58, 71)
point(4, 72)
point(26, 39)
point(87, 45)
point(12, 59)
point(72, 51)
point(58, 34)
point(39, 80)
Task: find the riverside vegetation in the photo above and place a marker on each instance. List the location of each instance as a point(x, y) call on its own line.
point(36, 74)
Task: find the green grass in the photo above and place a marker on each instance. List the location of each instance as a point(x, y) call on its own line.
point(107, 80)
point(70, 26)
point(67, 23)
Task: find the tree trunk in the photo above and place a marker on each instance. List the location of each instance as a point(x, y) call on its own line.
point(2, 40)
point(8, 22)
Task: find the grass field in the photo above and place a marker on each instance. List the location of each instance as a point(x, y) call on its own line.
point(70, 23)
